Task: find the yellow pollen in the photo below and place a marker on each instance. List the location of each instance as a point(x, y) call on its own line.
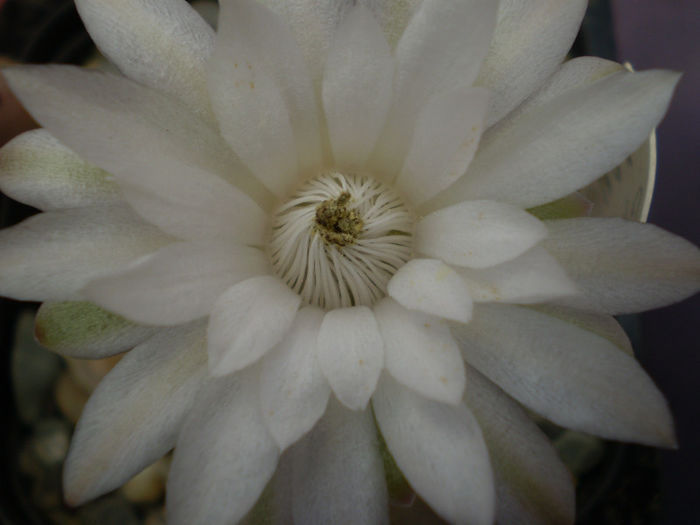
point(336, 223)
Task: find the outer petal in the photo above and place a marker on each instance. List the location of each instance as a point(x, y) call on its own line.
point(51, 256)
point(624, 266)
point(293, 389)
point(420, 352)
point(478, 234)
point(177, 284)
point(571, 376)
point(247, 320)
point(38, 170)
point(357, 87)
point(351, 354)
point(566, 142)
point(224, 455)
point(525, 51)
point(160, 43)
point(135, 414)
point(432, 287)
point(86, 331)
point(440, 450)
point(337, 474)
point(532, 484)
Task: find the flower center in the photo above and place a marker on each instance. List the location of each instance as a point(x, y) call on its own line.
point(340, 238)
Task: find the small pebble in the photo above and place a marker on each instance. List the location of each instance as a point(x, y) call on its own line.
point(50, 441)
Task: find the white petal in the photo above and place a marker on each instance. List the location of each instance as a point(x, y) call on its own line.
point(624, 266)
point(160, 43)
point(573, 377)
point(532, 484)
point(566, 142)
point(293, 389)
point(177, 284)
point(432, 59)
point(440, 450)
point(533, 277)
point(420, 352)
point(51, 256)
point(337, 474)
point(38, 170)
point(247, 320)
point(136, 412)
point(83, 330)
point(224, 455)
point(478, 234)
point(431, 287)
point(445, 140)
point(351, 354)
point(357, 87)
point(530, 41)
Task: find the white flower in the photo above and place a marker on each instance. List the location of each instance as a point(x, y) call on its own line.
point(312, 220)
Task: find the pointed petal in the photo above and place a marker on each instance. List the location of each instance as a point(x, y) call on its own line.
point(532, 277)
point(163, 44)
point(530, 41)
point(573, 377)
point(357, 87)
point(247, 320)
point(51, 256)
point(351, 354)
point(224, 455)
point(420, 352)
point(566, 142)
point(432, 59)
point(86, 331)
point(136, 412)
point(293, 389)
point(337, 474)
point(532, 484)
point(440, 450)
point(38, 170)
point(431, 287)
point(177, 284)
point(478, 234)
point(623, 266)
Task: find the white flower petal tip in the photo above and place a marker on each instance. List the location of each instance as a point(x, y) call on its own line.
point(478, 234)
point(441, 451)
point(432, 287)
point(247, 320)
point(351, 354)
point(419, 352)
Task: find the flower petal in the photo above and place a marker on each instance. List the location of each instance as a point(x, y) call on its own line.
point(623, 266)
point(532, 277)
point(420, 352)
point(38, 170)
point(566, 142)
point(573, 377)
point(136, 412)
point(224, 455)
point(440, 450)
point(478, 234)
point(532, 484)
point(357, 87)
point(337, 474)
point(293, 389)
point(51, 256)
point(431, 59)
point(163, 44)
point(431, 287)
point(86, 331)
point(351, 354)
point(247, 320)
point(177, 284)
point(444, 142)
point(530, 41)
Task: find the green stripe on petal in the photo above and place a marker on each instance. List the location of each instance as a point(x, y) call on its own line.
point(574, 205)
